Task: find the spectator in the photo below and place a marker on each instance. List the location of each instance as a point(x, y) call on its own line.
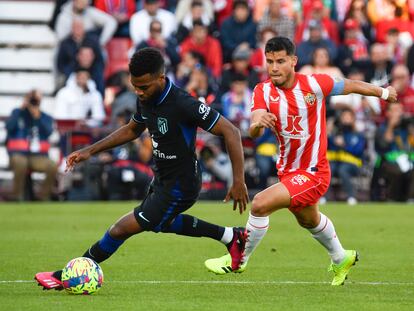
point(380, 10)
point(236, 103)
point(79, 100)
point(190, 61)
point(345, 150)
point(121, 10)
point(216, 169)
point(266, 157)
point(394, 145)
point(397, 21)
point(93, 19)
point(240, 65)
point(321, 63)
point(398, 44)
point(68, 57)
point(237, 29)
point(87, 59)
point(125, 99)
point(327, 27)
point(379, 68)
point(400, 77)
point(358, 11)
point(306, 48)
point(28, 130)
point(353, 52)
point(192, 10)
point(209, 47)
point(141, 20)
point(258, 58)
point(366, 108)
point(274, 18)
point(129, 174)
point(167, 47)
point(200, 87)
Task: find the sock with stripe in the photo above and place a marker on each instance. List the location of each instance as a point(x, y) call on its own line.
point(104, 248)
point(189, 225)
point(325, 234)
point(256, 230)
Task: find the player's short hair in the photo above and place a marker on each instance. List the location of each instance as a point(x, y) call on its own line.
point(146, 60)
point(277, 44)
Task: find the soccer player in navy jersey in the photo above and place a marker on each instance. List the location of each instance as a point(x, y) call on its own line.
point(172, 117)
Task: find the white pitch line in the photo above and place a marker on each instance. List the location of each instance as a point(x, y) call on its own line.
point(206, 282)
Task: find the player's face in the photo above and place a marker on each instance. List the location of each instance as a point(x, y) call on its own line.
point(148, 87)
point(280, 67)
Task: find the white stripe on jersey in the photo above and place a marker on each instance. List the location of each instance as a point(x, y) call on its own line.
point(266, 93)
point(303, 112)
point(319, 96)
point(283, 112)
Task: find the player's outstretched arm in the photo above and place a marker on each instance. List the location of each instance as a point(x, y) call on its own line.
point(238, 191)
point(367, 89)
point(259, 120)
point(121, 136)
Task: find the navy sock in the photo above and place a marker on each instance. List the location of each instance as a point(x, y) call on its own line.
point(103, 249)
point(191, 226)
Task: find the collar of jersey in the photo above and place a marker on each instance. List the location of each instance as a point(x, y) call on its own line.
point(164, 92)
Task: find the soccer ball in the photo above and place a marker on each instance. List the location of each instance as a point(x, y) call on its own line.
point(82, 276)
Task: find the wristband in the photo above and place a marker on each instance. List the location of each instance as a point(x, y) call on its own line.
point(385, 94)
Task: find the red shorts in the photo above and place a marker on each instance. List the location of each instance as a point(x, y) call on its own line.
point(304, 188)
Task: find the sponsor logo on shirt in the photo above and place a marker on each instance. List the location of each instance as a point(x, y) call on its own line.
point(310, 99)
point(160, 155)
point(204, 110)
point(162, 125)
point(299, 179)
point(274, 99)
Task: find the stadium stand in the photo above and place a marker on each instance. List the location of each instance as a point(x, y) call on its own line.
point(26, 62)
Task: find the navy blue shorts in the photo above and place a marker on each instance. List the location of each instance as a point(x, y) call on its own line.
point(158, 210)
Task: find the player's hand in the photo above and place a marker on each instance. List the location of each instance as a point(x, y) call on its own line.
point(238, 192)
point(76, 157)
point(392, 96)
point(267, 120)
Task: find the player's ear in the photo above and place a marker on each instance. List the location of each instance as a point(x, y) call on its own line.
point(294, 60)
point(162, 77)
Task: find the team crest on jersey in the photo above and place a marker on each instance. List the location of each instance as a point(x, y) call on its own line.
point(299, 179)
point(310, 99)
point(162, 125)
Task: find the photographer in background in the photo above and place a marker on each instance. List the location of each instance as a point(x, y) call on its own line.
point(345, 151)
point(394, 143)
point(28, 130)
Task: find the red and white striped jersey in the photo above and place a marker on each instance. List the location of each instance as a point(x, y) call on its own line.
point(301, 121)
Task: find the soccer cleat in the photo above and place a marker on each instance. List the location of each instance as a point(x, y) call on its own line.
point(48, 281)
point(222, 265)
point(236, 247)
point(341, 270)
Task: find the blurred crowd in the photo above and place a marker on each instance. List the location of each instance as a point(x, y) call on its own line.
point(214, 49)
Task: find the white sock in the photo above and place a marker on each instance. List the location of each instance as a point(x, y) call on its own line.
point(227, 235)
point(325, 234)
point(256, 230)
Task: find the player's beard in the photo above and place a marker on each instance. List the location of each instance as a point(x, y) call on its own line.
point(155, 96)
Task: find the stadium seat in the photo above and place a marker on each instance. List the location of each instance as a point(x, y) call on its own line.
point(117, 49)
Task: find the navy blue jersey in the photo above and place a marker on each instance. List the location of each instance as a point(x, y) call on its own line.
point(172, 121)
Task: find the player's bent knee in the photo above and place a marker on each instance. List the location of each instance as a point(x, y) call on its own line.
point(259, 206)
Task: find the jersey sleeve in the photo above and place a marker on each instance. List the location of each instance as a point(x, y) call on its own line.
point(137, 116)
point(329, 84)
point(258, 101)
point(198, 113)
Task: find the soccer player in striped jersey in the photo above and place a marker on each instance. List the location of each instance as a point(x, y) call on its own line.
point(292, 105)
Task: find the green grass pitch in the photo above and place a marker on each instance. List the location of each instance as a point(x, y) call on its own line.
point(166, 272)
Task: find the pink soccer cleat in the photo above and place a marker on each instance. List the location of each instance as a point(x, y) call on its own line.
point(48, 281)
point(236, 247)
